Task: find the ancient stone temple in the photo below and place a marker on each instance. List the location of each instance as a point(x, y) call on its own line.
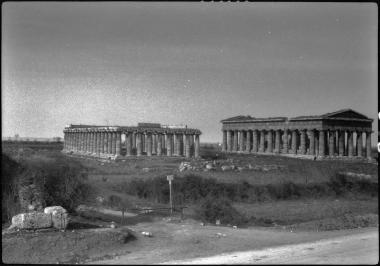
point(341, 133)
point(145, 139)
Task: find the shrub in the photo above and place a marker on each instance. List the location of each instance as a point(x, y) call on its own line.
point(10, 170)
point(60, 180)
point(212, 209)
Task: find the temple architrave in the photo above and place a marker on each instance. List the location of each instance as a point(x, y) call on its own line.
point(335, 134)
point(145, 139)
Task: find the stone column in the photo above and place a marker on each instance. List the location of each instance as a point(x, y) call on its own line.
point(169, 148)
point(128, 143)
point(270, 141)
point(303, 141)
point(154, 143)
point(143, 141)
point(350, 143)
point(322, 142)
point(109, 142)
point(294, 142)
point(359, 143)
point(98, 144)
point(88, 142)
point(254, 141)
point(368, 145)
point(277, 141)
point(235, 147)
point(84, 142)
point(84, 138)
point(331, 143)
point(163, 143)
point(68, 140)
point(138, 143)
point(196, 146)
point(159, 144)
point(73, 141)
point(285, 144)
point(180, 145)
point(148, 144)
point(105, 149)
point(241, 140)
point(187, 146)
point(113, 142)
point(94, 143)
point(118, 143)
point(79, 141)
point(101, 142)
point(88, 150)
point(224, 141)
point(134, 140)
point(229, 141)
point(103, 137)
point(341, 142)
point(248, 141)
point(262, 141)
point(316, 145)
point(175, 146)
point(312, 142)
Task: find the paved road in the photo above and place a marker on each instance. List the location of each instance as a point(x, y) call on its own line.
point(361, 248)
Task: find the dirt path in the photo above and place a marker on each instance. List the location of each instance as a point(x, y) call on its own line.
point(362, 248)
point(188, 241)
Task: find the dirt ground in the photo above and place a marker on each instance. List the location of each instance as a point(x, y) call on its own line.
point(172, 239)
point(189, 239)
point(358, 248)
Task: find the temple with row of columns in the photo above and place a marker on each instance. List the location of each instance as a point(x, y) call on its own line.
point(118, 141)
point(341, 133)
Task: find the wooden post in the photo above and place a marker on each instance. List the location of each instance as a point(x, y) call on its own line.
point(170, 179)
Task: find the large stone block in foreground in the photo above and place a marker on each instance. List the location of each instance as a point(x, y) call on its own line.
point(58, 215)
point(32, 220)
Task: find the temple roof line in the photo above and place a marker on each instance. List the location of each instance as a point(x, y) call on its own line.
point(343, 114)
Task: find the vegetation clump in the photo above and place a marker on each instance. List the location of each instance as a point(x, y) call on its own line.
point(60, 181)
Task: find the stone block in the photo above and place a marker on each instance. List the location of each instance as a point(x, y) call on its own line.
point(32, 220)
point(59, 216)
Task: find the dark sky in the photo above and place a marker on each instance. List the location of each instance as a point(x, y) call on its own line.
point(188, 63)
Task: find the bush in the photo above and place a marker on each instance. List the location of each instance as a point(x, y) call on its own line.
point(60, 181)
point(342, 184)
point(192, 188)
point(10, 170)
point(212, 209)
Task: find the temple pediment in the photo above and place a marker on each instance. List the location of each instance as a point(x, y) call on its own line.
point(345, 113)
point(238, 118)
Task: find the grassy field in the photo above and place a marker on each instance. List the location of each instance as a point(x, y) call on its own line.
point(106, 178)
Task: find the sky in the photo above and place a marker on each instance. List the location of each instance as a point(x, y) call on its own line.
point(191, 63)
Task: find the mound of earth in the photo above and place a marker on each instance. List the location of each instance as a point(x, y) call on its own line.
point(71, 246)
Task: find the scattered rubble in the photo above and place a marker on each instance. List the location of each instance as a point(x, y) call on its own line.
point(31, 220)
point(148, 234)
point(225, 165)
point(59, 216)
point(54, 216)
